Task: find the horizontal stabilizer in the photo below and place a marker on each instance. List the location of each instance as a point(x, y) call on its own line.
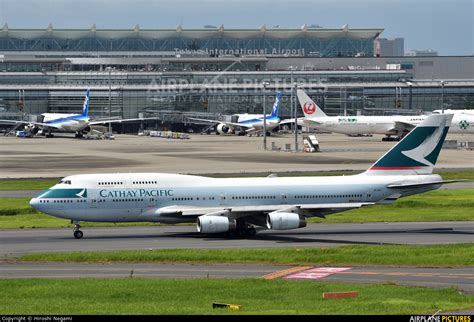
point(415, 185)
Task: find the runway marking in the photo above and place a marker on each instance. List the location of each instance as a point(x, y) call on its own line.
point(434, 274)
point(285, 272)
point(318, 272)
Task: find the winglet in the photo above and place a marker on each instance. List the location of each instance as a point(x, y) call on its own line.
point(418, 151)
point(85, 106)
point(309, 107)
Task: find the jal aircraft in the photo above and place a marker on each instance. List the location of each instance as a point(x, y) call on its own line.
point(236, 206)
point(250, 123)
point(463, 120)
point(78, 123)
point(396, 125)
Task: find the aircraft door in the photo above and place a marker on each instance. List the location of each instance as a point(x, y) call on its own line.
point(223, 199)
point(284, 198)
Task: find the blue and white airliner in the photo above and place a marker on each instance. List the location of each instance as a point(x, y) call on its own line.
point(237, 206)
point(247, 123)
point(76, 123)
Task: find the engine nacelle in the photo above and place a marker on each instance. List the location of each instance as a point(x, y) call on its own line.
point(215, 224)
point(87, 129)
point(284, 220)
point(223, 129)
point(33, 129)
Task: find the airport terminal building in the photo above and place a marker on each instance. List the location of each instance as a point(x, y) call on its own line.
point(212, 72)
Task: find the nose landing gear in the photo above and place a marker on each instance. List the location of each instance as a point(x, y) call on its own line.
point(76, 231)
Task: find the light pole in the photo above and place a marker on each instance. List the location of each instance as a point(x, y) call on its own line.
point(110, 100)
point(296, 116)
point(442, 96)
point(265, 84)
point(291, 68)
point(410, 95)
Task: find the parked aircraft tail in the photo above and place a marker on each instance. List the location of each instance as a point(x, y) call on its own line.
point(418, 151)
point(276, 105)
point(309, 107)
point(85, 106)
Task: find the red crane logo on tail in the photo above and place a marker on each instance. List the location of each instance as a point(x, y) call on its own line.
point(309, 108)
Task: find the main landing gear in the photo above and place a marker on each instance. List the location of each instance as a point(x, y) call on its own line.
point(50, 134)
point(77, 231)
point(244, 230)
point(390, 138)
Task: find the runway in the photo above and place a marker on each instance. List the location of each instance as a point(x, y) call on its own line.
point(463, 278)
point(21, 241)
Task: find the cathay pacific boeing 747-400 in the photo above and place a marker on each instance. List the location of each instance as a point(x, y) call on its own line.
point(237, 206)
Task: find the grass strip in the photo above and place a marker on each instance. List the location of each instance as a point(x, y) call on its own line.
point(195, 296)
point(404, 255)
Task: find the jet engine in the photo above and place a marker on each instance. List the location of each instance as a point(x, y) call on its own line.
point(284, 220)
point(31, 128)
point(215, 224)
point(87, 129)
point(223, 129)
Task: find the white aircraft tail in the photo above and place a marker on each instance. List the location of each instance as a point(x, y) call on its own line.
point(309, 107)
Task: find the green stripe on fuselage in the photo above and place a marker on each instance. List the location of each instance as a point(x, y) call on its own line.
point(64, 193)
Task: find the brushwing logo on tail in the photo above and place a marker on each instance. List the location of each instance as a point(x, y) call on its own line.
point(420, 153)
point(309, 107)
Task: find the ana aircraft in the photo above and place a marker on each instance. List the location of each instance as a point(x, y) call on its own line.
point(397, 126)
point(236, 206)
point(78, 123)
point(248, 123)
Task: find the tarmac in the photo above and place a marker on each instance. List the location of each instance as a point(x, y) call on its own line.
point(16, 242)
point(201, 154)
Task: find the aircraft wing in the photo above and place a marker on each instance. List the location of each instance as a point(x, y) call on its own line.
point(106, 121)
point(310, 122)
point(308, 210)
point(403, 126)
point(299, 121)
point(228, 124)
point(28, 122)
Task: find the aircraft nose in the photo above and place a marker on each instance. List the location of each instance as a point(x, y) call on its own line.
point(34, 202)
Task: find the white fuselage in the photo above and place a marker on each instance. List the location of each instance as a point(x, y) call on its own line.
point(66, 122)
point(256, 121)
point(147, 196)
point(461, 123)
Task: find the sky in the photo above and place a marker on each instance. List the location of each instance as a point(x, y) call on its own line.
point(446, 26)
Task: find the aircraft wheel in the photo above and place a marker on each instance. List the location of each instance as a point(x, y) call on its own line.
point(78, 234)
point(251, 231)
